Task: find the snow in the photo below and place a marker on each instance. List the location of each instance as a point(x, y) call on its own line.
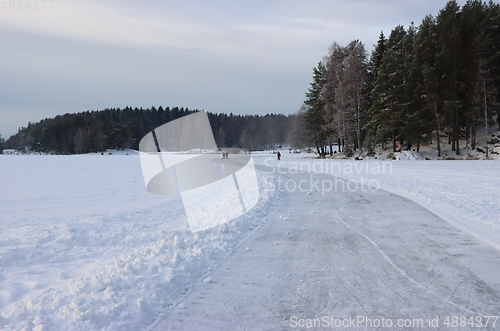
point(84, 246)
point(408, 156)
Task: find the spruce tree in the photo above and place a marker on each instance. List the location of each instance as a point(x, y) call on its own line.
point(428, 86)
point(473, 36)
point(372, 74)
point(315, 112)
point(449, 63)
point(374, 65)
point(417, 119)
point(492, 26)
point(390, 96)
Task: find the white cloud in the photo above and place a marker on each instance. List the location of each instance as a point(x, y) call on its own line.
point(100, 22)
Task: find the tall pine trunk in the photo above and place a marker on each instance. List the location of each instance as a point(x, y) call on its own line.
point(393, 142)
point(438, 128)
point(457, 132)
point(485, 115)
point(473, 137)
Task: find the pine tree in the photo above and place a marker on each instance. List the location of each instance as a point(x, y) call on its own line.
point(449, 63)
point(390, 94)
point(428, 80)
point(372, 75)
point(315, 112)
point(417, 118)
point(374, 66)
point(473, 36)
point(492, 27)
point(2, 144)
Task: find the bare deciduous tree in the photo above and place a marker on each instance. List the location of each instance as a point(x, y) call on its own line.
point(300, 136)
point(343, 94)
point(80, 141)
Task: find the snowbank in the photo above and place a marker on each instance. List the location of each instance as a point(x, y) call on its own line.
point(408, 156)
point(84, 246)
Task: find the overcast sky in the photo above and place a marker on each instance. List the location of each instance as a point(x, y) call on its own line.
point(244, 57)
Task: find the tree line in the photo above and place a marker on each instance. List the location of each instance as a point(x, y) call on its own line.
point(422, 83)
point(115, 128)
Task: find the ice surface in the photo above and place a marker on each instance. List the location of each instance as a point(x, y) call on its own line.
point(465, 193)
point(364, 256)
point(84, 246)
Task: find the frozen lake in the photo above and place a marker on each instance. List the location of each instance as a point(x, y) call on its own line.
point(84, 246)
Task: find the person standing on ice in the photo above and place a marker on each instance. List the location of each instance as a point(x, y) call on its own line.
point(279, 156)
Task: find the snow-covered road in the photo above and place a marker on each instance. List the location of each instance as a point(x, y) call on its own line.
point(354, 259)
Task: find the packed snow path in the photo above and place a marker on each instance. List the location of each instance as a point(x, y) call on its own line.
point(340, 259)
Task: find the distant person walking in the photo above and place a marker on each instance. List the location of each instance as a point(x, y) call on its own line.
point(279, 156)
